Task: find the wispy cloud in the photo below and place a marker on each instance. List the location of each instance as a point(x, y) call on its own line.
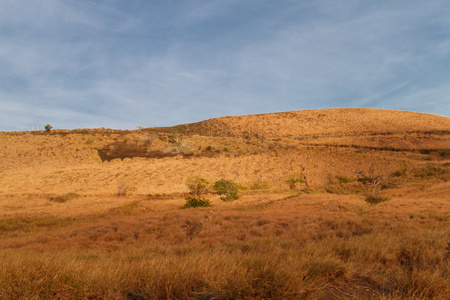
point(117, 64)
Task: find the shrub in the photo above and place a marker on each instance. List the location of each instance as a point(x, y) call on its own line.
point(294, 179)
point(48, 127)
point(371, 199)
point(399, 172)
point(123, 188)
point(195, 202)
point(373, 180)
point(431, 171)
point(345, 179)
point(198, 185)
point(228, 189)
point(258, 185)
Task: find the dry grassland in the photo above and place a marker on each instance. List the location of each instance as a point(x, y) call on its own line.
point(95, 214)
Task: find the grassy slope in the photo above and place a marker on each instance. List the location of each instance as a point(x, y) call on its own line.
point(327, 244)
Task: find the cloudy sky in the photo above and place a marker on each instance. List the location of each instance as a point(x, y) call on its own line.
point(123, 63)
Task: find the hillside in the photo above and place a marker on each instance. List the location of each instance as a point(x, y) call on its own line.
point(95, 213)
point(254, 148)
point(319, 122)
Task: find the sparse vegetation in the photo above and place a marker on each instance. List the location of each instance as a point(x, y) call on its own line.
point(48, 127)
point(273, 244)
point(192, 202)
point(294, 179)
point(345, 179)
point(374, 254)
point(372, 180)
point(372, 199)
point(198, 186)
point(259, 185)
point(431, 170)
point(228, 189)
point(399, 172)
point(123, 188)
point(445, 153)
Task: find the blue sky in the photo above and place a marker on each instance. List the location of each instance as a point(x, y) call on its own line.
point(119, 64)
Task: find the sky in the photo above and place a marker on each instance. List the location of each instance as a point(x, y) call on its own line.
point(129, 63)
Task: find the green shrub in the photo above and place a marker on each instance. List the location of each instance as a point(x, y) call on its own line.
point(371, 199)
point(48, 127)
point(195, 202)
point(399, 172)
point(198, 185)
point(258, 185)
point(431, 171)
point(345, 179)
point(294, 179)
point(228, 189)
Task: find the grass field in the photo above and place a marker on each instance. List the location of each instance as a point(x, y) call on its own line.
point(95, 214)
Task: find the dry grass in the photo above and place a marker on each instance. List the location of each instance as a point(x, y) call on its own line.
point(76, 225)
point(310, 246)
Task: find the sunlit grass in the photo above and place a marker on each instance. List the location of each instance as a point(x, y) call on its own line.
point(353, 252)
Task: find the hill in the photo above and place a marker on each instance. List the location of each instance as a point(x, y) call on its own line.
point(255, 148)
point(95, 213)
point(319, 122)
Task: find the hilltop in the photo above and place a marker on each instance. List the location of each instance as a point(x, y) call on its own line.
point(319, 122)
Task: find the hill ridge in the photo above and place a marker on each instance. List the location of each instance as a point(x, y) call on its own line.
point(316, 122)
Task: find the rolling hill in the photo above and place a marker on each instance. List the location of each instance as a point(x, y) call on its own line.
point(95, 213)
point(254, 148)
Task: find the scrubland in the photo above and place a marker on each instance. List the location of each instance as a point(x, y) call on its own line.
point(95, 214)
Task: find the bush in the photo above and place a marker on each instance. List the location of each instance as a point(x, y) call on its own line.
point(371, 199)
point(345, 179)
point(294, 179)
point(260, 185)
point(123, 188)
point(399, 173)
point(431, 171)
point(48, 127)
point(198, 185)
point(195, 202)
point(228, 189)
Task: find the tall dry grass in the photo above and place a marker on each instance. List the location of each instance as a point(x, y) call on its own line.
point(65, 234)
point(299, 248)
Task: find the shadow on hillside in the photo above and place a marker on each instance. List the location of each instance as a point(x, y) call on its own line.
point(124, 150)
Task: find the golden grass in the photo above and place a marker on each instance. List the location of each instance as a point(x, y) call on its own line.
point(65, 233)
point(319, 122)
point(310, 246)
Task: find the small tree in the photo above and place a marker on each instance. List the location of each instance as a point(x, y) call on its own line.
point(48, 127)
point(374, 181)
point(228, 189)
point(198, 185)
